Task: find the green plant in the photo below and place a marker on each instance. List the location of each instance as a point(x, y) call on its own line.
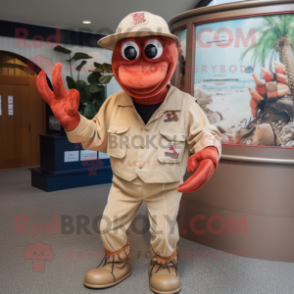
point(277, 36)
point(93, 93)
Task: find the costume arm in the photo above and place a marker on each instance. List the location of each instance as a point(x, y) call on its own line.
point(92, 134)
point(200, 133)
point(204, 141)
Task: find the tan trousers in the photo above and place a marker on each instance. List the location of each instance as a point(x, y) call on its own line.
point(124, 200)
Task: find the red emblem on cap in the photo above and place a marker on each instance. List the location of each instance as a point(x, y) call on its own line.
point(139, 18)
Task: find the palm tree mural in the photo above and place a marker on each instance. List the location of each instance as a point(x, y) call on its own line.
point(277, 37)
point(272, 101)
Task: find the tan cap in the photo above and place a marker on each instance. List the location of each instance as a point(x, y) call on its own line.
point(137, 24)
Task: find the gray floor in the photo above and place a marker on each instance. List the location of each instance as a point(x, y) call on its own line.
point(65, 275)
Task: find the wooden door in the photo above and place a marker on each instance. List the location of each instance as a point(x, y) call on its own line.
point(22, 119)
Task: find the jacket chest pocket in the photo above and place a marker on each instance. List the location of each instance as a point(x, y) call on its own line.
point(171, 146)
point(117, 140)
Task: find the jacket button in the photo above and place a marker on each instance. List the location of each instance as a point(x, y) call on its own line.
point(147, 129)
point(142, 129)
point(140, 166)
point(142, 147)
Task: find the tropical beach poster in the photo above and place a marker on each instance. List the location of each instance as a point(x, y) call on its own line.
point(244, 78)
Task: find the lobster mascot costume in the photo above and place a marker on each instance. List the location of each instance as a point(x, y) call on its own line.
point(149, 130)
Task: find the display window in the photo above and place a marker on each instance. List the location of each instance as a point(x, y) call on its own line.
point(244, 78)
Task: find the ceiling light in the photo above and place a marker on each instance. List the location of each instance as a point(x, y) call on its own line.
point(86, 22)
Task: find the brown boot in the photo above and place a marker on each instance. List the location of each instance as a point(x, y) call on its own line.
point(164, 277)
point(115, 269)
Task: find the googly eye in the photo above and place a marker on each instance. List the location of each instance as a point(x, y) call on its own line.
point(130, 50)
point(153, 49)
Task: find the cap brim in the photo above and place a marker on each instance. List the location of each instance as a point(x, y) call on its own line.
point(110, 41)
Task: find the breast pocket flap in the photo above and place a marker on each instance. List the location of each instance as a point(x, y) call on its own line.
point(118, 129)
point(177, 136)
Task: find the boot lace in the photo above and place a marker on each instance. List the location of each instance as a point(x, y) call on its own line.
point(167, 266)
point(106, 259)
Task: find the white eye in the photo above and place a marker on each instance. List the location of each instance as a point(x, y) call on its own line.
point(153, 49)
point(130, 50)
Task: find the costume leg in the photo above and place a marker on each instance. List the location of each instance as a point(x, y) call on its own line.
point(120, 210)
point(163, 210)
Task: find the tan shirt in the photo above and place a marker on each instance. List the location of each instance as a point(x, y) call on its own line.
point(156, 152)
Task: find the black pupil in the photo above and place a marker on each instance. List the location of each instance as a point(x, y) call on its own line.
point(131, 53)
point(150, 51)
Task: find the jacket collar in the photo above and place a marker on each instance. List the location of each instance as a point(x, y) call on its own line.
point(172, 101)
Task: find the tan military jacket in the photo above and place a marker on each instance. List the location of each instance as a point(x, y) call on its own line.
point(156, 152)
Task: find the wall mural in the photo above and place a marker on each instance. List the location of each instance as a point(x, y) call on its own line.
point(244, 78)
point(178, 78)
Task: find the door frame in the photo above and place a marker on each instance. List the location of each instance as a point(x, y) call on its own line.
point(37, 115)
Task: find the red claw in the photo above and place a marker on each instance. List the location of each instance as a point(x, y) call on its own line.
point(63, 104)
point(208, 159)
